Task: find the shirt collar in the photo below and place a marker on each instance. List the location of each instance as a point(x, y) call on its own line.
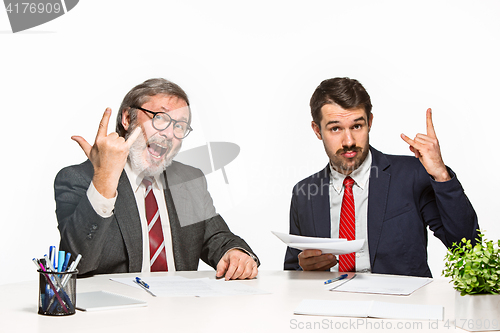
point(136, 179)
point(360, 175)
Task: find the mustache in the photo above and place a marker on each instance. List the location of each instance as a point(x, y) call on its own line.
point(160, 141)
point(346, 149)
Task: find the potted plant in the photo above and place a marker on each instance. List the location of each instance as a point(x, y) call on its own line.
point(475, 273)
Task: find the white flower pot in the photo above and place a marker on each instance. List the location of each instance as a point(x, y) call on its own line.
point(477, 312)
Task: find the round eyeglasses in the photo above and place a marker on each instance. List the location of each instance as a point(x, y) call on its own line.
point(161, 120)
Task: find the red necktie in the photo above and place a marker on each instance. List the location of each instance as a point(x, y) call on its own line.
point(347, 228)
point(157, 253)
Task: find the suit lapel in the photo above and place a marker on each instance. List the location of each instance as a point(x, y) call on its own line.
point(321, 206)
point(127, 217)
point(174, 187)
point(377, 200)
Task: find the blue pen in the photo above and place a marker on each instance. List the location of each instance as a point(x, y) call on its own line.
point(143, 285)
point(60, 260)
point(338, 278)
point(138, 279)
point(66, 262)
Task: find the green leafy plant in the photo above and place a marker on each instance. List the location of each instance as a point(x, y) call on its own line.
point(474, 269)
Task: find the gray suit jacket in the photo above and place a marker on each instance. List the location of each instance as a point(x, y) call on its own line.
point(114, 244)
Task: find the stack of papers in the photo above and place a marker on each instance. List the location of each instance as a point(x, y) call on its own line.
point(334, 246)
point(382, 284)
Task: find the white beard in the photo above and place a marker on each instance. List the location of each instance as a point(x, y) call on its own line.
point(141, 160)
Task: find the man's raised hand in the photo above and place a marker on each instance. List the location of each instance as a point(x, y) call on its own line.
point(426, 149)
point(108, 155)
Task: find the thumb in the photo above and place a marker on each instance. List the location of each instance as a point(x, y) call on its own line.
point(135, 134)
point(86, 147)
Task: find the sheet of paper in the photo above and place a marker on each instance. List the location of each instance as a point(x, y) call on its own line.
point(231, 288)
point(334, 246)
point(383, 284)
point(286, 238)
point(169, 286)
point(374, 309)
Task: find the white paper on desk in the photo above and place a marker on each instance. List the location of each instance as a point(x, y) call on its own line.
point(231, 288)
point(175, 286)
point(334, 246)
point(179, 288)
point(373, 309)
point(383, 284)
point(130, 281)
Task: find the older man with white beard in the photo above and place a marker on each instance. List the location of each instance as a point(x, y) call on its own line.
point(130, 208)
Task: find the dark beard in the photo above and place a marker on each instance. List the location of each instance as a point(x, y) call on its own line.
point(346, 168)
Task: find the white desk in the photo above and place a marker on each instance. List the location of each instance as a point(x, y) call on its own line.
point(257, 313)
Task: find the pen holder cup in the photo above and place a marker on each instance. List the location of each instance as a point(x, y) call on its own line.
point(57, 293)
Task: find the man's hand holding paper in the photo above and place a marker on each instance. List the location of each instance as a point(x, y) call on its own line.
point(319, 253)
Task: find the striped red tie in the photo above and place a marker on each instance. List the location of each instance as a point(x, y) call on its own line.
point(347, 228)
point(157, 253)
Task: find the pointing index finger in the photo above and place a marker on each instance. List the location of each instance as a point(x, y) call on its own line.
point(430, 126)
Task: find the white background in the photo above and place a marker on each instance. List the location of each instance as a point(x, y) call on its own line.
point(249, 70)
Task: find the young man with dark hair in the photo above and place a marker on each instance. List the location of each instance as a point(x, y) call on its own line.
point(387, 200)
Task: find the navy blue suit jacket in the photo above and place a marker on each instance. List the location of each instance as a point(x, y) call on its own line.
point(403, 200)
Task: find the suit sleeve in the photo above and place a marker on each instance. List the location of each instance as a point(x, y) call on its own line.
point(291, 255)
point(448, 212)
point(82, 230)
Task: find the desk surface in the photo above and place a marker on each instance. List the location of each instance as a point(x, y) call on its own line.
point(257, 313)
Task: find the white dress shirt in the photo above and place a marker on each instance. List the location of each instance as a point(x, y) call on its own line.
point(104, 207)
point(361, 178)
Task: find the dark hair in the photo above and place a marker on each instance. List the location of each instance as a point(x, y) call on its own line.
point(347, 93)
point(140, 94)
